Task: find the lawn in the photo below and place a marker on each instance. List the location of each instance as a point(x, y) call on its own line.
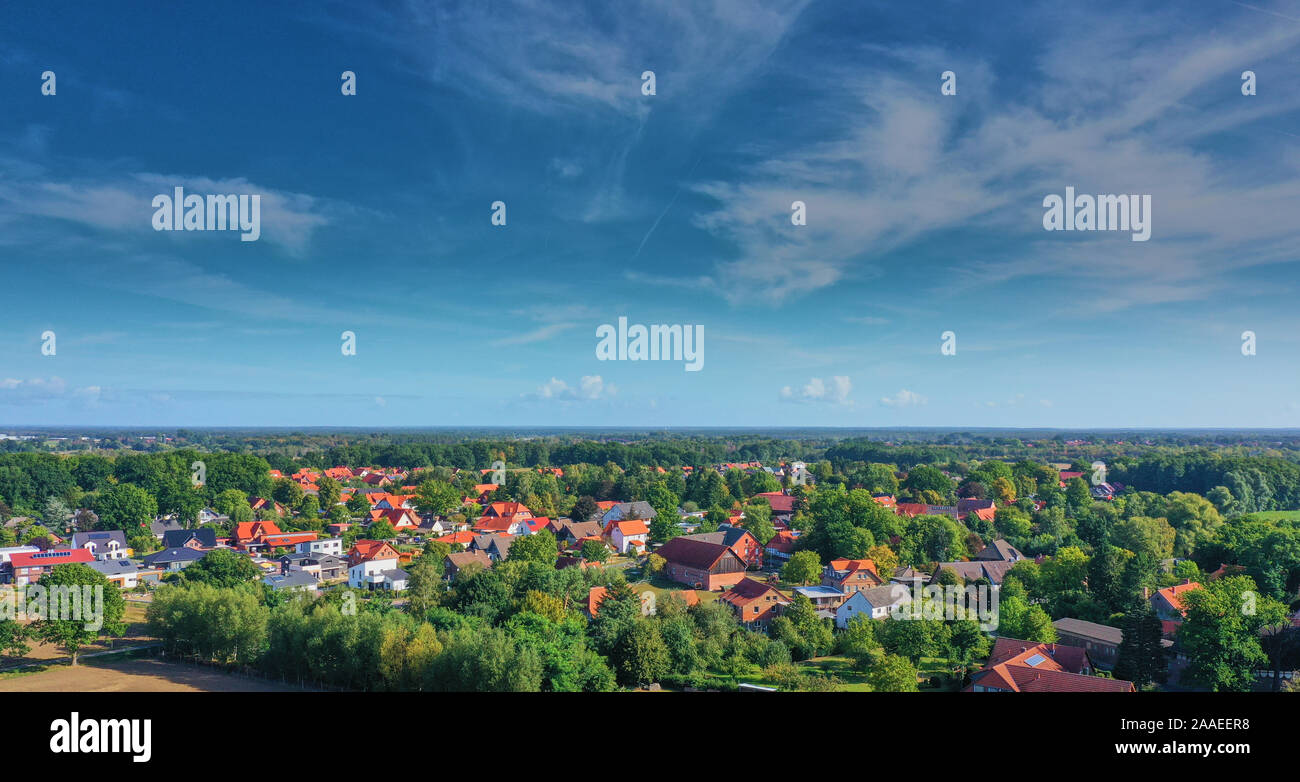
point(1279, 515)
point(662, 587)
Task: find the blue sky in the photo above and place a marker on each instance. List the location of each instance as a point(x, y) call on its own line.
point(924, 213)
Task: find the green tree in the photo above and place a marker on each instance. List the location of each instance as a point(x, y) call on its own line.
point(594, 551)
point(1221, 632)
point(641, 657)
point(80, 627)
point(223, 568)
point(1142, 658)
point(437, 497)
point(424, 588)
point(894, 673)
point(538, 547)
point(125, 507)
point(804, 567)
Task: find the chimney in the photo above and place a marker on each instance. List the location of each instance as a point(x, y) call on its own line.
point(1146, 593)
point(1186, 581)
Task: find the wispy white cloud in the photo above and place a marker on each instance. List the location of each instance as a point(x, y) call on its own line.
point(904, 398)
point(590, 388)
point(818, 390)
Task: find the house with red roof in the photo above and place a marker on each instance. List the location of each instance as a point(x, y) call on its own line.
point(851, 575)
point(782, 503)
point(262, 535)
point(373, 564)
point(463, 537)
point(27, 567)
point(510, 518)
point(1024, 666)
point(1168, 602)
point(701, 564)
point(629, 534)
point(780, 548)
point(755, 603)
point(402, 519)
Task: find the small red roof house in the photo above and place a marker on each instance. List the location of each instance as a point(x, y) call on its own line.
point(369, 550)
point(594, 597)
point(1168, 602)
point(260, 503)
point(886, 500)
point(507, 510)
point(780, 548)
point(781, 502)
point(851, 575)
point(627, 534)
point(29, 566)
point(1068, 476)
point(911, 509)
point(508, 517)
point(464, 537)
point(701, 564)
point(250, 535)
point(1024, 666)
point(340, 473)
point(402, 519)
point(538, 524)
point(287, 539)
point(484, 489)
point(755, 603)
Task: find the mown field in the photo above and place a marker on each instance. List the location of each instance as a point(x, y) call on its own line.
point(134, 675)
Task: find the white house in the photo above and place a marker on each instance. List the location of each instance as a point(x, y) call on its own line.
point(627, 535)
point(332, 546)
point(122, 572)
point(102, 545)
point(875, 603)
point(7, 553)
point(375, 567)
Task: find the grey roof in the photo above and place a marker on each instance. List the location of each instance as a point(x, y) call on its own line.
point(174, 555)
point(1000, 549)
point(98, 537)
point(175, 538)
point(578, 529)
point(811, 592)
point(397, 574)
point(726, 536)
point(290, 580)
point(885, 596)
point(629, 510)
point(993, 570)
point(160, 526)
point(1085, 629)
point(113, 567)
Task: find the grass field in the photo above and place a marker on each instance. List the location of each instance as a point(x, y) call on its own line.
point(1279, 515)
point(136, 633)
point(135, 675)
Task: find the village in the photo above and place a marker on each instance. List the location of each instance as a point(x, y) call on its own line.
point(378, 533)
